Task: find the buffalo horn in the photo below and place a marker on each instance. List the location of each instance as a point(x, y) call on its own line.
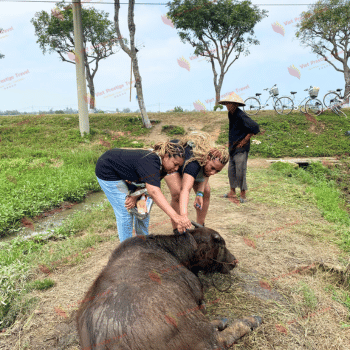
point(196, 225)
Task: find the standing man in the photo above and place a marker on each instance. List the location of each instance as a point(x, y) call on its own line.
point(241, 129)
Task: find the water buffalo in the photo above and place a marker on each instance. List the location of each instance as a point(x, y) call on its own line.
point(149, 296)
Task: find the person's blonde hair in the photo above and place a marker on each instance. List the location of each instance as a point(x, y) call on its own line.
point(170, 148)
point(203, 147)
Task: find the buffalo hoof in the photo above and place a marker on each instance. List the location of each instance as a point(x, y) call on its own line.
point(238, 329)
point(221, 324)
point(255, 321)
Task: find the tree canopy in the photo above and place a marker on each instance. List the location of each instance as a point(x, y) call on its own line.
point(325, 29)
point(55, 33)
point(216, 29)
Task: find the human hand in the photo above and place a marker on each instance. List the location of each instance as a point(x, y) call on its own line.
point(183, 223)
point(215, 153)
point(241, 144)
point(198, 203)
point(130, 202)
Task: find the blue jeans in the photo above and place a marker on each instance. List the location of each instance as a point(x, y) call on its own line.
point(116, 192)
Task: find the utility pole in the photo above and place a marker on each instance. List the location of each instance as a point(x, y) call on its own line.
point(80, 69)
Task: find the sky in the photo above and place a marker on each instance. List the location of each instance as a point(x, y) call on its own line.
point(171, 74)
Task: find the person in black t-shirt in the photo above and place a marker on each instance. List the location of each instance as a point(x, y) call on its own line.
point(117, 168)
point(202, 159)
point(241, 129)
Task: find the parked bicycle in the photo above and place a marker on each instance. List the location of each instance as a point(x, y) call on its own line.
point(253, 104)
point(334, 100)
point(312, 105)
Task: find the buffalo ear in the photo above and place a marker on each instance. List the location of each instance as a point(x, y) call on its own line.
point(192, 241)
point(217, 237)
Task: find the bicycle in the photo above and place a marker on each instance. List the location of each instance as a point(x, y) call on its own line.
point(312, 105)
point(334, 101)
point(253, 104)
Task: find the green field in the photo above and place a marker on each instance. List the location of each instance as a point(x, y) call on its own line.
point(44, 161)
point(295, 135)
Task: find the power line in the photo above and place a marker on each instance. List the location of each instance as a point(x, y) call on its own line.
point(85, 2)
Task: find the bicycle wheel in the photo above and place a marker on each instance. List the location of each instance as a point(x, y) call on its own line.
point(284, 105)
point(302, 109)
point(330, 98)
point(313, 106)
point(252, 106)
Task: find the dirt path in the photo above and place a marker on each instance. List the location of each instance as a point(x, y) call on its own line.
point(207, 122)
point(280, 248)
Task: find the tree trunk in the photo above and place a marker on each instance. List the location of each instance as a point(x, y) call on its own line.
point(90, 79)
point(218, 86)
point(347, 82)
point(132, 54)
point(91, 89)
point(139, 92)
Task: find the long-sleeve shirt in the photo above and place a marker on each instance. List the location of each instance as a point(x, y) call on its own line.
point(240, 125)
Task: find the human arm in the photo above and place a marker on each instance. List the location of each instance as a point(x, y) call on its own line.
point(187, 184)
point(243, 142)
point(198, 202)
point(181, 221)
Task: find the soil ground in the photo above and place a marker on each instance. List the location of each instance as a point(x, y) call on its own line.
point(283, 249)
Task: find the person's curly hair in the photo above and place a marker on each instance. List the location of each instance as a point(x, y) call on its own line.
point(170, 148)
point(203, 147)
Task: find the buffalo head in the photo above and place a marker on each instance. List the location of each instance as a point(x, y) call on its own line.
point(211, 254)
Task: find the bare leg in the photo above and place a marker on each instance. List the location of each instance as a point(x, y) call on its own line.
point(232, 193)
point(201, 214)
point(174, 183)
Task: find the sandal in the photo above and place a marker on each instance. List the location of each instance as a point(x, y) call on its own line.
point(226, 196)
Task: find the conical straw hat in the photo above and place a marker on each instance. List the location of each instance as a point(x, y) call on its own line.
point(233, 97)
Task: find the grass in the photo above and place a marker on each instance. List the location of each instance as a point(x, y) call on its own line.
point(297, 136)
point(56, 164)
point(323, 188)
point(21, 260)
point(342, 297)
point(310, 299)
point(44, 284)
point(172, 130)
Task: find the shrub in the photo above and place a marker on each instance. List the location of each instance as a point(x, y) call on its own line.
point(173, 130)
point(178, 109)
point(218, 107)
point(44, 284)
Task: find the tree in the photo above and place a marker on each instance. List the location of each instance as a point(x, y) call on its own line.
point(178, 109)
point(216, 30)
point(55, 33)
point(131, 52)
point(325, 29)
point(126, 110)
